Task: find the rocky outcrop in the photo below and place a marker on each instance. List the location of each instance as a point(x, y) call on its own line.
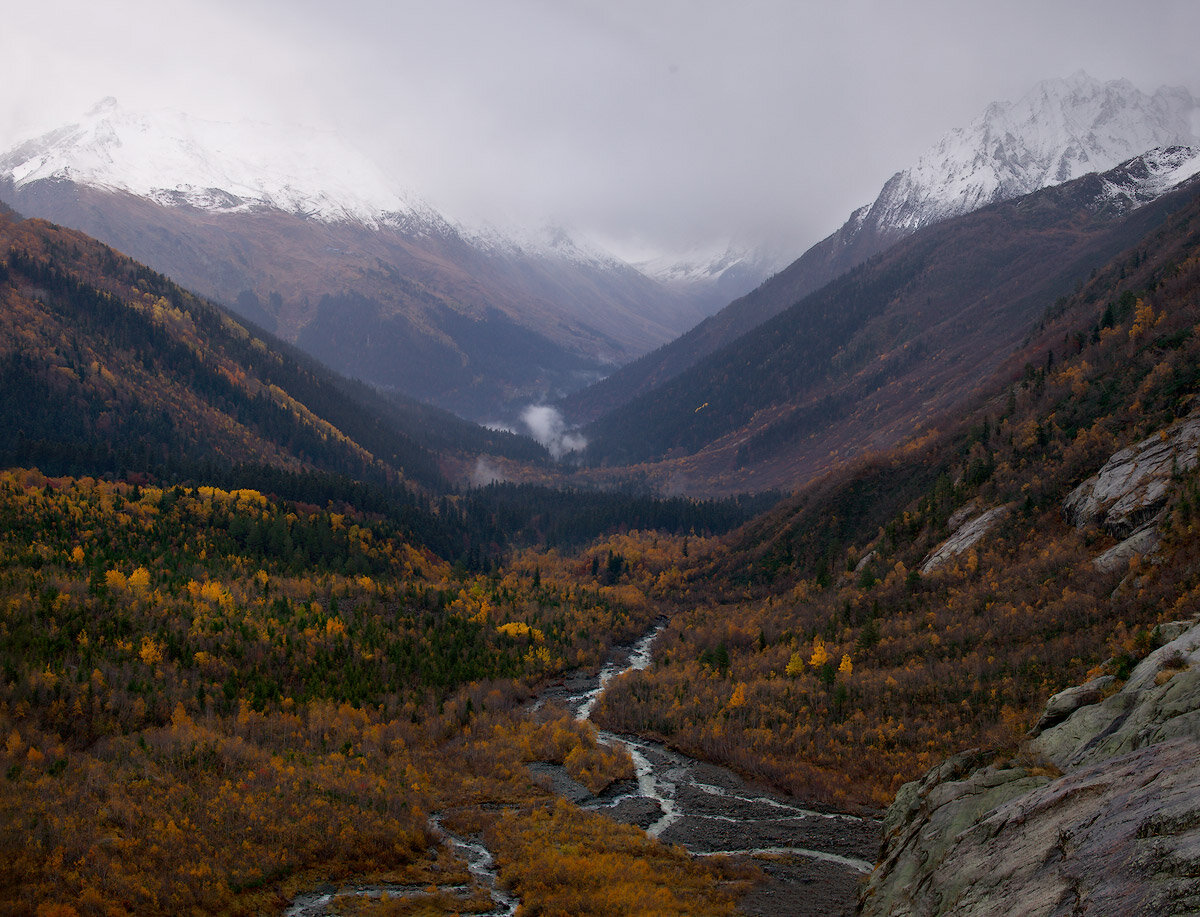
point(964, 536)
point(1134, 484)
point(1128, 495)
point(1141, 543)
point(1099, 813)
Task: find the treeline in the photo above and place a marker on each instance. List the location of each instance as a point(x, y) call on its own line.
point(528, 514)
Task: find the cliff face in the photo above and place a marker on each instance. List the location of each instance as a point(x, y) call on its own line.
point(1128, 496)
point(1099, 813)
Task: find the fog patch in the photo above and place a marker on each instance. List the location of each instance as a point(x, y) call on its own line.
point(485, 473)
point(546, 425)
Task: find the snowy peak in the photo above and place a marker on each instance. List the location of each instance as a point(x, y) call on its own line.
point(700, 265)
point(1060, 130)
point(174, 159)
point(1149, 176)
point(550, 241)
point(178, 160)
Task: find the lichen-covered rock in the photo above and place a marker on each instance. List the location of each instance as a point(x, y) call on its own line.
point(1103, 818)
point(964, 513)
point(1064, 703)
point(1160, 701)
point(1134, 484)
point(964, 537)
point(1140, 544)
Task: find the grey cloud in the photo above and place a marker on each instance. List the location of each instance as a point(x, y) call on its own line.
point(670, 123)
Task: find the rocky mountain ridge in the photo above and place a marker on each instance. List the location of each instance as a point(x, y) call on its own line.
point(1058, 131)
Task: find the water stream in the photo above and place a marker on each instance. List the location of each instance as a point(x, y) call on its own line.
point(480, 864)
point(814, 859)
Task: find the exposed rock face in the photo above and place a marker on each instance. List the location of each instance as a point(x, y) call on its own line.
point(1099, 816)
point(1127, 496)
point(1141, 543)
point(964, 536)
point(1064, 703)
point(1133, 485)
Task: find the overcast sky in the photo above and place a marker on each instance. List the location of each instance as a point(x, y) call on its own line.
point(646, 123)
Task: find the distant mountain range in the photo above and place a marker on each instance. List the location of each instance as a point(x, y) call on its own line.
point(1060, 130)
point(108, 365)
point(307, 237)
point(864, 362)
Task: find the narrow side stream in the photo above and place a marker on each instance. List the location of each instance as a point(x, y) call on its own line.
point(480, 864)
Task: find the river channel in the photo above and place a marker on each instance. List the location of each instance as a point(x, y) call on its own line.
point(813, 859)
point(329, 900)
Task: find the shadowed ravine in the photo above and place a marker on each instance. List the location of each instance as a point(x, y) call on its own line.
point(814, 860)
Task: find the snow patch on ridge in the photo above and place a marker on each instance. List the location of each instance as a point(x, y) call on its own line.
point(1060, 130)
point(1151, 175)
point(177, 160)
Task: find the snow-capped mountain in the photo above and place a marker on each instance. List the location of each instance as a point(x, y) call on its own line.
point(1147, 177)
point(706, 264)
point(304, 234)
point(221, 167)
point(1061, 129)
point(715, 274)
point(175, 159)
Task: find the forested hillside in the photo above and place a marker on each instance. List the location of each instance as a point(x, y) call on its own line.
point(109, 368)
point(211, 701)
point(846, 654)
point(112, 353)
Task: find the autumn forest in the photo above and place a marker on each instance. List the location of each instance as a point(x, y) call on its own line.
point(254, 641)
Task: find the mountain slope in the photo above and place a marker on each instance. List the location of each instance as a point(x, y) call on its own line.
point(857, 365)
point(929, 599)
point(109, 369)
point(285, 224)
point(109, 366)
point(1058, 131)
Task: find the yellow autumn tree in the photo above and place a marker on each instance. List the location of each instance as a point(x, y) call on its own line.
point(846, 667)
point(151, 652)
point(738, 698)
point(139, 578)
point(1143, 319)
point(795, 665)
point(820, 655)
